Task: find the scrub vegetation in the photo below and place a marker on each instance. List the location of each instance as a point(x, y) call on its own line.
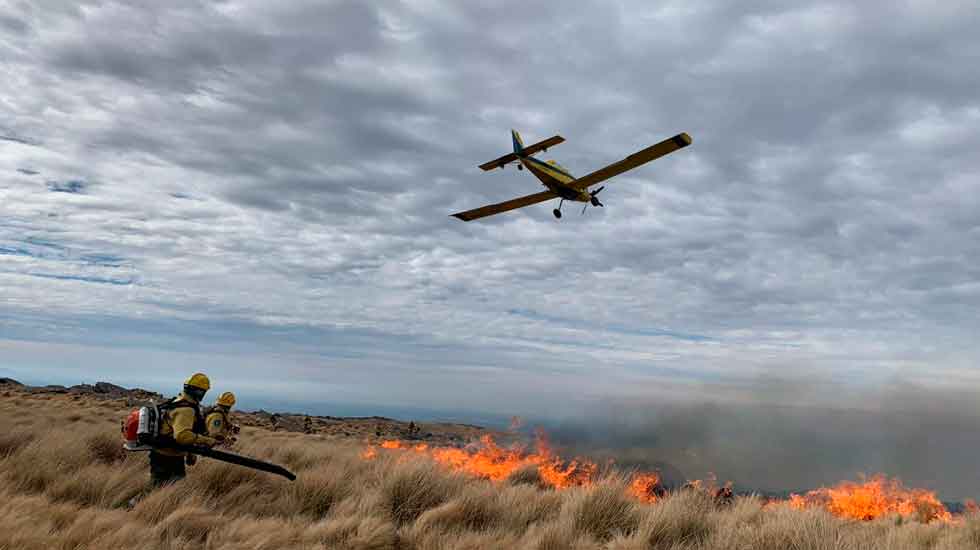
point(65, 484)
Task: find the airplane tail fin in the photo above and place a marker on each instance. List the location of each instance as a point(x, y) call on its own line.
point(518, 142)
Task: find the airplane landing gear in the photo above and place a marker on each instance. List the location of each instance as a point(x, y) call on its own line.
point(557, 213)
point(520, 167)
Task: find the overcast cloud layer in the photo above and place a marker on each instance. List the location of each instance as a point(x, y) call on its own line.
point(262, 190)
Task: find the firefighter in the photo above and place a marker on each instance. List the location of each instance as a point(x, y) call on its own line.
point(219, 420)
point(182, 423)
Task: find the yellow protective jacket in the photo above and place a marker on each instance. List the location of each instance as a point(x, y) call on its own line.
point(219, 423)
point(179, 422)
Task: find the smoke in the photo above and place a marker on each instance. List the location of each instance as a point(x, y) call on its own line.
point(778, 435)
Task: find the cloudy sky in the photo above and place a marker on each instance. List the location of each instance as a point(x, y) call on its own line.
point(262, 191)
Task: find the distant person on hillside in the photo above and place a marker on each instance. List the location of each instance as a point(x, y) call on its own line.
point(181, 422)
point(414, 430)
point(308, 425)
point(274, 419)
point(219, 421)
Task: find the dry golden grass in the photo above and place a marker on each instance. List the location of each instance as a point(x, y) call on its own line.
point(64, 484)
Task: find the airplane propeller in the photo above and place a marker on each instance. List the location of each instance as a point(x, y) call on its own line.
point(593, 199)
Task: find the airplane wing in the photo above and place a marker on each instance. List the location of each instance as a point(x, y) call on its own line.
point(639, 158)
point(512, 204)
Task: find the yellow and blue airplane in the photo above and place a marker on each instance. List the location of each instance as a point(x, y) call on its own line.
point(560, 182)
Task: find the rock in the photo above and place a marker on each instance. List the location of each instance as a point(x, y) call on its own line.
point(105, 387)
point(99, 390)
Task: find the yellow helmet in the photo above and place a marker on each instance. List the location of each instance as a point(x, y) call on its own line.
point(227, 399)
point(198, 380)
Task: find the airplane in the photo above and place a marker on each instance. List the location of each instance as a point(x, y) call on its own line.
point(560, 182)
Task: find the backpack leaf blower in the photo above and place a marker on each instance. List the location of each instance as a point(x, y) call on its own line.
point(141, 432)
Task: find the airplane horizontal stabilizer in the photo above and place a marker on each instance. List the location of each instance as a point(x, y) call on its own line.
point(524, 151)
point(499, 163)
point(542, 145)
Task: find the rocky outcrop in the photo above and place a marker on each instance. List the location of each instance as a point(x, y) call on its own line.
point(99, 390)
point(106, 390)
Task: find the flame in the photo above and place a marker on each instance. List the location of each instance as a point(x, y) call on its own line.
point(489, 460)
point(866, 500)
point(645, 487)
point(394, 444)
point(874, 498)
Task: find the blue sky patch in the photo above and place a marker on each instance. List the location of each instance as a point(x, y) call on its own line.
point(105, 260)
point(14, 251)
point(70, 186)
point(84, 278)
point(586, 325)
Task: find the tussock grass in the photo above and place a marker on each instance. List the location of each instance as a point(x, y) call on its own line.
point(188, 523)
point(684, 518)
point(315, 494)
point(355, 532)
point(602, 511)
point(14, 440)
point(411, 488)
point(65, 484)
point(475, 509)
point(528, 475)
point(104, 448)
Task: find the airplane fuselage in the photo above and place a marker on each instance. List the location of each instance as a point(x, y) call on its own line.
point(555, 178)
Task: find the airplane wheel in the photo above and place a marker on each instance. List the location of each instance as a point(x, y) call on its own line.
point(557, 213)
point(519, 167)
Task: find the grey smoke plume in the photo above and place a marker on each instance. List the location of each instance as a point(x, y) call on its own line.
point(928, 437)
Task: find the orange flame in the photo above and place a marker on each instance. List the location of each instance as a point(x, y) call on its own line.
point(487, 459)
point(874, 498)
point(645, 487)
point(865, 500)
point(491, 461)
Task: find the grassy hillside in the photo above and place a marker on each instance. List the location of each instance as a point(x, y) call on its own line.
point(66, 481)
